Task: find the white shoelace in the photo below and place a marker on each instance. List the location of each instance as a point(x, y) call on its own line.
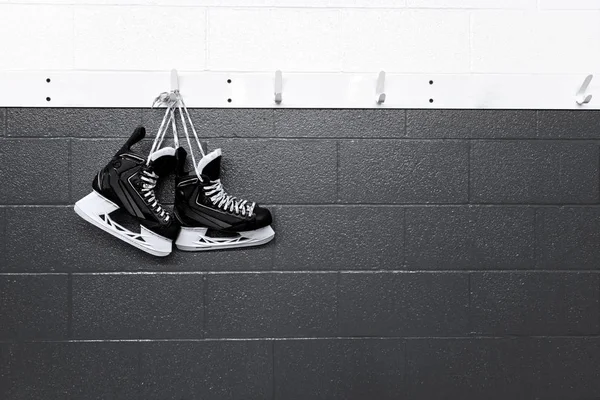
point(181, 106)
point(174, 101)
point(216, 192)
point(150, 179)
point(227, 202)
point(149, 184)
point(170, 100)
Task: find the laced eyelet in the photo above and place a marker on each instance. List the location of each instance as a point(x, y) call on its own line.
point(149, 180)
point(226, 202)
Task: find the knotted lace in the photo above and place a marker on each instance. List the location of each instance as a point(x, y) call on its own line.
point(222, 200)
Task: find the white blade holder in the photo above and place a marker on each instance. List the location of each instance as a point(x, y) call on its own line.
point(581, 97)
point(380, 89)
point(278, 86)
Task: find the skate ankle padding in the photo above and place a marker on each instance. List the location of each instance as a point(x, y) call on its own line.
point(165, 151)
point(210, 165)
point(163, 161)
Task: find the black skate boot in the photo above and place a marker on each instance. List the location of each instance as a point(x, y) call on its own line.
point(128, 183)
point(211, 219)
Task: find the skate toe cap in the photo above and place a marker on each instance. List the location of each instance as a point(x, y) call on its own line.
point(263, 216)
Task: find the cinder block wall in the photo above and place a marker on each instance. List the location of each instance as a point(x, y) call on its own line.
point(419, 254)
point(405, 36)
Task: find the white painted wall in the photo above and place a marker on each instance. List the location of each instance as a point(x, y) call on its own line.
point(412, 36)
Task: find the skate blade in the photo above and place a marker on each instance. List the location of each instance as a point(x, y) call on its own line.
point(195, 239)
point(96, 209)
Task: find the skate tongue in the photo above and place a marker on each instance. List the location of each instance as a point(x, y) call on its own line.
point(210, 165)
point(163, 161)
point(138, 134)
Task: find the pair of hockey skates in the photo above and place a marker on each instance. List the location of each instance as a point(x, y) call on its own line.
point(205, 217)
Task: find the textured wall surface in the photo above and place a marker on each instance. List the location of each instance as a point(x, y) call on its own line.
point(419, 254)
point(407, 36)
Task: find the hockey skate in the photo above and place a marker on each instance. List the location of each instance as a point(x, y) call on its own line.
point(128, 183)
point(210, 218)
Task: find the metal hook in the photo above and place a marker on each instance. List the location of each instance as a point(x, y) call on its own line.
point(169, 98)
point(581, 98)
point(278, 86)
point(380, 89)
point(174, 81)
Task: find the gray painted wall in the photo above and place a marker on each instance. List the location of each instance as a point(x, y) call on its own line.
point(431, 254)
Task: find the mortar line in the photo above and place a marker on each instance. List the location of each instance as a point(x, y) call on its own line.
point(204, 313)
point(405, 378)
point(69, 169)
point(350, 205)
point(206, 38)
point(337, 171)
point(535, 239)
point(404, 239)
point(338, 284)
point(73, 9)
point(141, 117)
point(273, 123)
point(438, 205)
point(285, 339)
point(330, 138)
point(291, 272)
point(470, 33)
point(598, 307)
point(140, 352)
point(469, 172)
point(70, 306)
point(4, 229)
point(273, 383)
point(598, 164)
point(469, 309)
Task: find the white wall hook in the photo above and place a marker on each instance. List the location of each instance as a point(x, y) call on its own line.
point(581, 97)
point(278, 86)
point(380, 89)
point(174, 81)
point(169, 97)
